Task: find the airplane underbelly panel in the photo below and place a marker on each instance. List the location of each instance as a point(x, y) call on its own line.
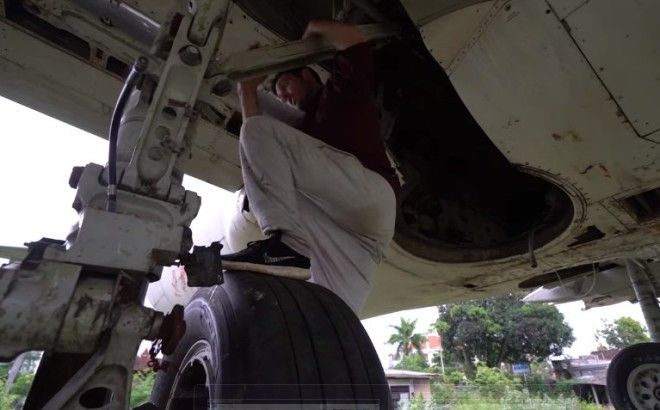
point(625, 56)
point(536, 97)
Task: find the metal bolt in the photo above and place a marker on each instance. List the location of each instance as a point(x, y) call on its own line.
point(222, 88)
point(190, 55)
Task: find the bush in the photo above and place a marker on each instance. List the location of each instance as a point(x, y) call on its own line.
point(536, 384)
point(143, 382)
point(493, 389)
point(455, 377)
point(443, 393)
point(563, 387)
point(492, 382)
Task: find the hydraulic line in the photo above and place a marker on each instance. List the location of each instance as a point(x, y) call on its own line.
point(137, 69)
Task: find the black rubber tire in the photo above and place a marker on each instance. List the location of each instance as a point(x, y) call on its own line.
point(622, 365)
point(278, 340)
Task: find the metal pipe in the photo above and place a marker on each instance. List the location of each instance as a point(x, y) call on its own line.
point(648, 302)
point(127, 19)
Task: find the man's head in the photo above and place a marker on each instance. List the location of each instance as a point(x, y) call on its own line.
point(297, 86)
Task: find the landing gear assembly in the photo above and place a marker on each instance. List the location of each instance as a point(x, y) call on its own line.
point(633, 377)
point(81, 300)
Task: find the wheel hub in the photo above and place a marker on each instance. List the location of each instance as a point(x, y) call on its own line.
point(193, 381)
point(644, 386)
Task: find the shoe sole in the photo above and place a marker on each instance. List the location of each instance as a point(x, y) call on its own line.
point(282, 271)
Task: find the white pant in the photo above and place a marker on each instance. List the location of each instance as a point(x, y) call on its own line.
point(326, 204)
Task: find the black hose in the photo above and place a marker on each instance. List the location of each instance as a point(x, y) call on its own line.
point(530, 247)
point(138, 68)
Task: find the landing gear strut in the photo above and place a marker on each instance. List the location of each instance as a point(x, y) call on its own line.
point(633, 377)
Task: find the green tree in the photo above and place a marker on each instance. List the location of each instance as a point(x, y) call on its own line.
point(414, 361)
point(7, 400)
point(623, 332)
point(405, 338)
point(501, 329)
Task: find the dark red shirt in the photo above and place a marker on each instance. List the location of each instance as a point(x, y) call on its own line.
point(344, 113)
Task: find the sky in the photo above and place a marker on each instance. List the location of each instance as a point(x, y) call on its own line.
point(38, 153)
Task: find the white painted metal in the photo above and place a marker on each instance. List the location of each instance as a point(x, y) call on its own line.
point(542, 105)
point(111, 366)
point(162, 141)
point(76, 17)
point(564, 8)
point(450, 33)
point(38, 297)
point(606, 288)
point(423, 11)
point(157, 10)
point(626, 56)
point(123, 240)
point(537, 98)
point(522, 77)
point(43, 77)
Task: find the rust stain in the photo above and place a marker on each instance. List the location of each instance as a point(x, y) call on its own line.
point(586, 169)
point(605, 170)
point(83, 303)
point(568, 136)
point(512, 16)
point(101, 310)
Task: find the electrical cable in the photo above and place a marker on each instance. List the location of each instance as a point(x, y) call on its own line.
point(530, 246)
point(593, 282)
point(137, 69)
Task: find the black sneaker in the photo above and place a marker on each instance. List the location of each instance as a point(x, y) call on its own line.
point(269, 256)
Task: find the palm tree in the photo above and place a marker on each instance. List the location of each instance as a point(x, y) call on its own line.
point(405, 338)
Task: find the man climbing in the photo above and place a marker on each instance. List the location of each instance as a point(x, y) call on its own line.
point(324, 191)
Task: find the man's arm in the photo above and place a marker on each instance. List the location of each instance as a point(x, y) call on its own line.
point(247, 95)
point(340, 35)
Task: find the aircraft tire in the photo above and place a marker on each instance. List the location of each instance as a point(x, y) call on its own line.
point(633, 377)
point(264, 339)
